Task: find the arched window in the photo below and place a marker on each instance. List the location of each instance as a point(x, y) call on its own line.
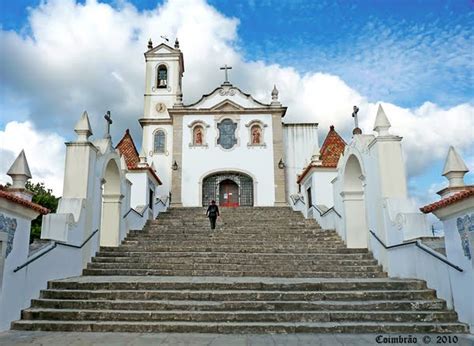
point(256, 133)
point(160, 142)
point(162, 77)
point(198, 135)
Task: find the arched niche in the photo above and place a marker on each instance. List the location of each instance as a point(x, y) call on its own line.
point(111, 205)
point(353, 199)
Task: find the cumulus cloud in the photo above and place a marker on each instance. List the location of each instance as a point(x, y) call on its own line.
point(75, 56)
point(44, 152)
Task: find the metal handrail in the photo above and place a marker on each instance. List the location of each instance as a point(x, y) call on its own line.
point(327, 211)
point(56, 243)
point(420, 246)
point(131, 209)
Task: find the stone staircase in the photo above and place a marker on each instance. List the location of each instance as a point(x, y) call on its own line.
point(263, 270)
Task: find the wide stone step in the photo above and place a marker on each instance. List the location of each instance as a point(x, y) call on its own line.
point(147, 256)
point(273, 305)
point(237, 316)
point(234, 273)
point(248, 267)
point(240, 327)
point(235, 283)
point(240, 295)
point(227, 249)
point(233, 260)
point(233, 236)
point(163, 241)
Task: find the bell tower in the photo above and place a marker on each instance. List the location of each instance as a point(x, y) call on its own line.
point(164, 73)
point(163, 76)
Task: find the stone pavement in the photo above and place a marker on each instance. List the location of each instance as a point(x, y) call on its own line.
point(196, 339)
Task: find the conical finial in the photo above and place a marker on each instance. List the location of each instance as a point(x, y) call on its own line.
point(150, 44)
point(454, 168)
point(382, 124)
point(19, 171)
point(176, 43)
point(274, 93)
point(83, 128)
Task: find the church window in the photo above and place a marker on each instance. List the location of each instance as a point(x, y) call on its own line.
point(162, 77)
point(256, 133)
point(160, 142)
point(198, 136)
point(256, 129)
point(227, 138)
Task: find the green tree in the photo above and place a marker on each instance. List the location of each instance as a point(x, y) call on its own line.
point(45, 198)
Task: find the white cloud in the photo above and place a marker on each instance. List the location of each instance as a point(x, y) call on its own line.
point(44, 152)
point(90, 56)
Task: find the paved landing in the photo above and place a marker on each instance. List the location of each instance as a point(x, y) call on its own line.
point(195, 339)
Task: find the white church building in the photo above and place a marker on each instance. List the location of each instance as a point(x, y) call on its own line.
point(236, 150)
point(226, 146)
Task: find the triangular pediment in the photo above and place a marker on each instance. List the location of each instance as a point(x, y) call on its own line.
point(227, 105)
point(227, 97)
point(160, 49)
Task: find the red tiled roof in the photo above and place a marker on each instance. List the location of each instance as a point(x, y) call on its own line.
point(18, 200)
point(330, 152)
point(457, 197)
point(332, 148)
point(127, 148)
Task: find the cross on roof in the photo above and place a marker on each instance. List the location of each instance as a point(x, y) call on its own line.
point(108, 119)
point(225, 67)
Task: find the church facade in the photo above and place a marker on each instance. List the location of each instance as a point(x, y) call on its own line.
point(226, 146)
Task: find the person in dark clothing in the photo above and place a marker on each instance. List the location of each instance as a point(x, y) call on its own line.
point(212, 213)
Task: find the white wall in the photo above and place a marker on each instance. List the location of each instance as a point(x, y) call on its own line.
point(300, 141)
point(198, 162)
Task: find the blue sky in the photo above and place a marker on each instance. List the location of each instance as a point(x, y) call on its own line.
point(350, 39)
point(414, 56)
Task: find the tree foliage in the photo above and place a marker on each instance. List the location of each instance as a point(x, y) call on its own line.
point(45, 198)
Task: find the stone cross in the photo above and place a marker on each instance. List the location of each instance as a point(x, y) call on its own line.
point(354, 115)
point(108, 119)
point(225, 67)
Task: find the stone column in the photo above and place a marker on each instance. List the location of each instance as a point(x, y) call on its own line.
point(278, 154)
point(176, 176)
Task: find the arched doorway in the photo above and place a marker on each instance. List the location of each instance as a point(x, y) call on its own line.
point(356, 232)
point(228, 193)
point(111, 206)
point(228, 189)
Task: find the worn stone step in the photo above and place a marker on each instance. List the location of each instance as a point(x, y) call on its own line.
point(248, 267)
point(236, 315)
point(258, 305)
point(221, 249)
point(240, 327)
point(234, 283)
point(309, 243)
point(239, 295)
point(234, 273)
point(146, 256)
point(233, 260)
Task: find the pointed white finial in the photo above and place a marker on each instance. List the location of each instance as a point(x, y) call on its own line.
point(19, 171)
point(142, 157)
point(83, 128)
point(382, 124)
point(454, 168)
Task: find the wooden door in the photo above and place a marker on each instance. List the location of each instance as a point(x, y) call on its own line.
point(228, 194)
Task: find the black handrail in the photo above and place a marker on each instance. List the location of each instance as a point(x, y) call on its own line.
point(158, 200)
point(131, 209)
point(417, 244)
point(56, 243)
point(327, 211)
